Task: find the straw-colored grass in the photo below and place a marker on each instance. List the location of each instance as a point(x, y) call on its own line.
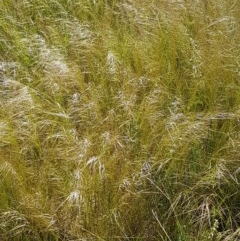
point(119, 120)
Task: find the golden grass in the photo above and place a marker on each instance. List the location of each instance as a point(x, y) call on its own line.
point(119, 120)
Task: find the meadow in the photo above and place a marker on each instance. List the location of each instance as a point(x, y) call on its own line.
point(119, 120)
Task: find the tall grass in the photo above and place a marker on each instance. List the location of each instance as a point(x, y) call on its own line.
point(119, 120)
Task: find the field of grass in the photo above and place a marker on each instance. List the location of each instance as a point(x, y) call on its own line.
point(119, 120)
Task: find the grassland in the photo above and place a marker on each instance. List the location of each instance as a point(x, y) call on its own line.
point(119, 120)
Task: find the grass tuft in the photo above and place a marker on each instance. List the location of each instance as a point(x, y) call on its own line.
point(119, 120)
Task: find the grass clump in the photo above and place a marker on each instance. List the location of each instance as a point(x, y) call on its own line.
point(119, 120)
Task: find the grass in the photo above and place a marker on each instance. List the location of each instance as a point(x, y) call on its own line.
point(119, 120)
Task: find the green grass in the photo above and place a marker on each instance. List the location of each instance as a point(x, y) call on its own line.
point(119, 120)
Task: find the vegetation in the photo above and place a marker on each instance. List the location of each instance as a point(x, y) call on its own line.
point(119, 120)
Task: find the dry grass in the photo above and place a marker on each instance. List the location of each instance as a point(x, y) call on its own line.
point(119, 120)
